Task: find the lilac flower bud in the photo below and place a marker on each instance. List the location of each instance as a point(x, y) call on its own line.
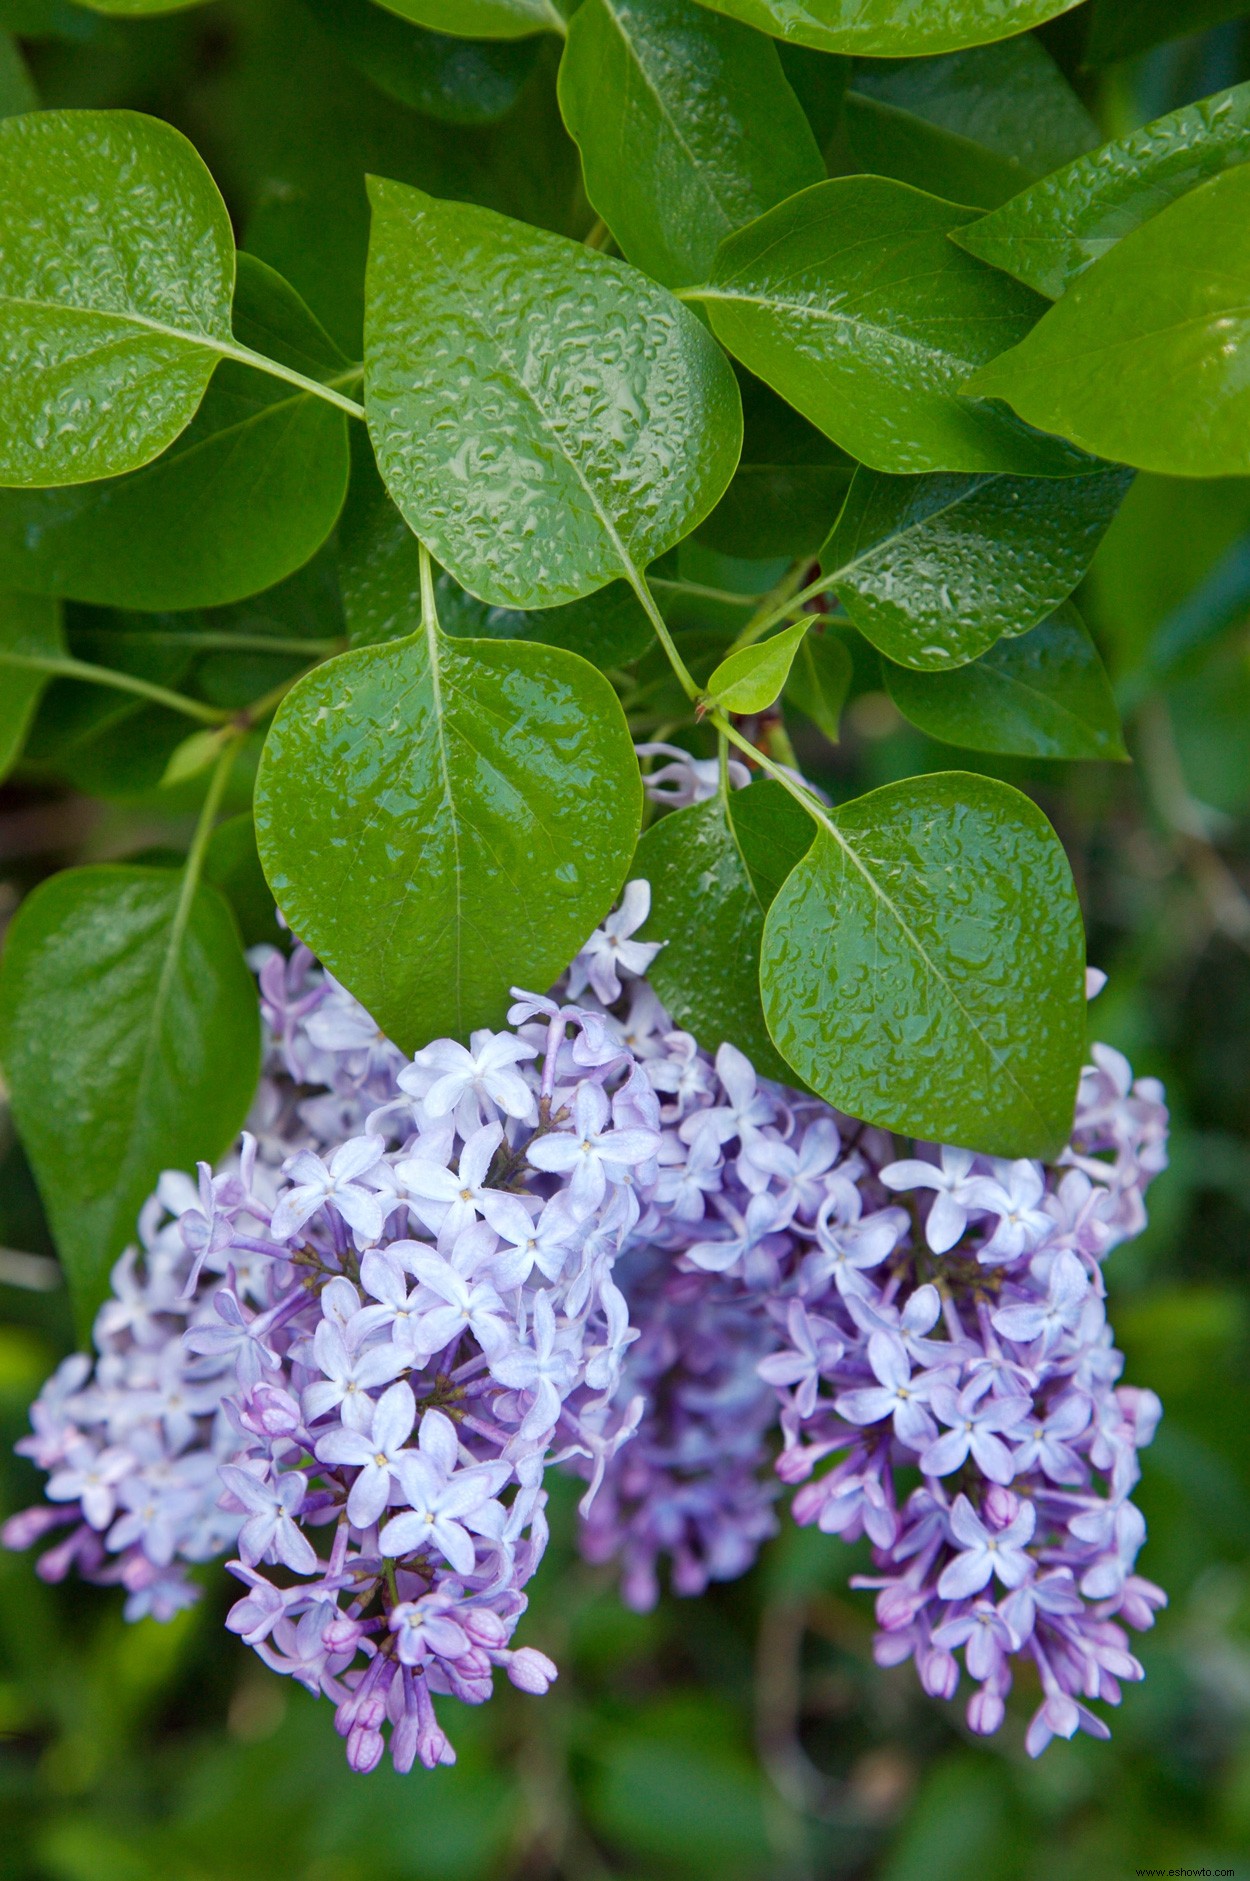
point(985, 1712)
point(530, 1670)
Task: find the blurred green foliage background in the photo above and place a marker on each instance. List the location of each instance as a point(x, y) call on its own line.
point(747, 1734)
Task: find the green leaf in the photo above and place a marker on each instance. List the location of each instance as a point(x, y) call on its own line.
point(706, 911)
point(933, 569)
point(17, 92)
point(1053, 232)
point(820, 680)
point(130, 1037)
point(893, 28)
point(116, 272)
point(923, 967)
point(686, 126)
point(247, 493)
point(1119, 28)
point(232, 865)
point(138, 9)
point(1043, 695)
point(751, 679)
point(443, 819)
point(457, 81)
point(973, 126)
point(1145, 357)
point(790, 481)
point(380, 570)
point(545, 418)
point(30, 625)
point(482, 19)
point(851, 303)
point(774, 834)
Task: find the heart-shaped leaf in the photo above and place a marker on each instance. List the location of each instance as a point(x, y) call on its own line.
point(1044, 694)
point(1055, 230)
point(705, 910)
point(686, 126)
point(933, 569)
point(247, 493)
point(30, 628)
point(1145, 357)
point(752, 678)
point(130, 1038)
point(546, 418)
point(443, 819)
point(116, 274)
point(924, 966)
point(849, 301)
point(893, 28)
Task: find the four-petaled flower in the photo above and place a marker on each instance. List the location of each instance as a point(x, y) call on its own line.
point(546, 1367)
point(449, 1202)
point(1066, 1293)
point(985, 1552)
point(1013, 1193)
point(374, 1453)
point(896, 1394)
point(975, 1421)
point(610, 952)
point(464, 1079)
point(590, 1153)
point(314, 1185)
point(445, 1501)
point(948, 1216)
point(349, 1376)
point(270, 1532)
point(814, 1347)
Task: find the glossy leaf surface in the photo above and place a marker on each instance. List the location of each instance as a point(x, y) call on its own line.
point(1062, 225)
point(774, 834)
point(820, 680)
point(851, 303)
point(457, 81)
point(116, 274)
point(894, 29)
point(1043, 695)
point(1145, 358)
point(790, 483)
point(130, 1041)
point(923, 966)
point(248, 492)
point(705, 909)
point(482, 19)
point(933, 569)
point(443, 819)
point(686, 125)
point(752, 678)
point(974, 126)
point(545, 417)
point(380, 573)
point(30, 625)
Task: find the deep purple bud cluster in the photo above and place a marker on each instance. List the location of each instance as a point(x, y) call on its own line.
point(354, 1352)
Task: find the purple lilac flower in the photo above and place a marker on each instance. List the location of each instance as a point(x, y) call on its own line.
point(356, 1348)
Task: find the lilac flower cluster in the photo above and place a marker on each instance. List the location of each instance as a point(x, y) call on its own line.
point(584, 1242)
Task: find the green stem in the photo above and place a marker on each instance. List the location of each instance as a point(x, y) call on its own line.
point(699, 592)
point(801, 796)
point(773, 612)
point(319, 389)
point(260, 708)
point(638, 583)
point(231, 643)
point(194, 864)
point(65, 667)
